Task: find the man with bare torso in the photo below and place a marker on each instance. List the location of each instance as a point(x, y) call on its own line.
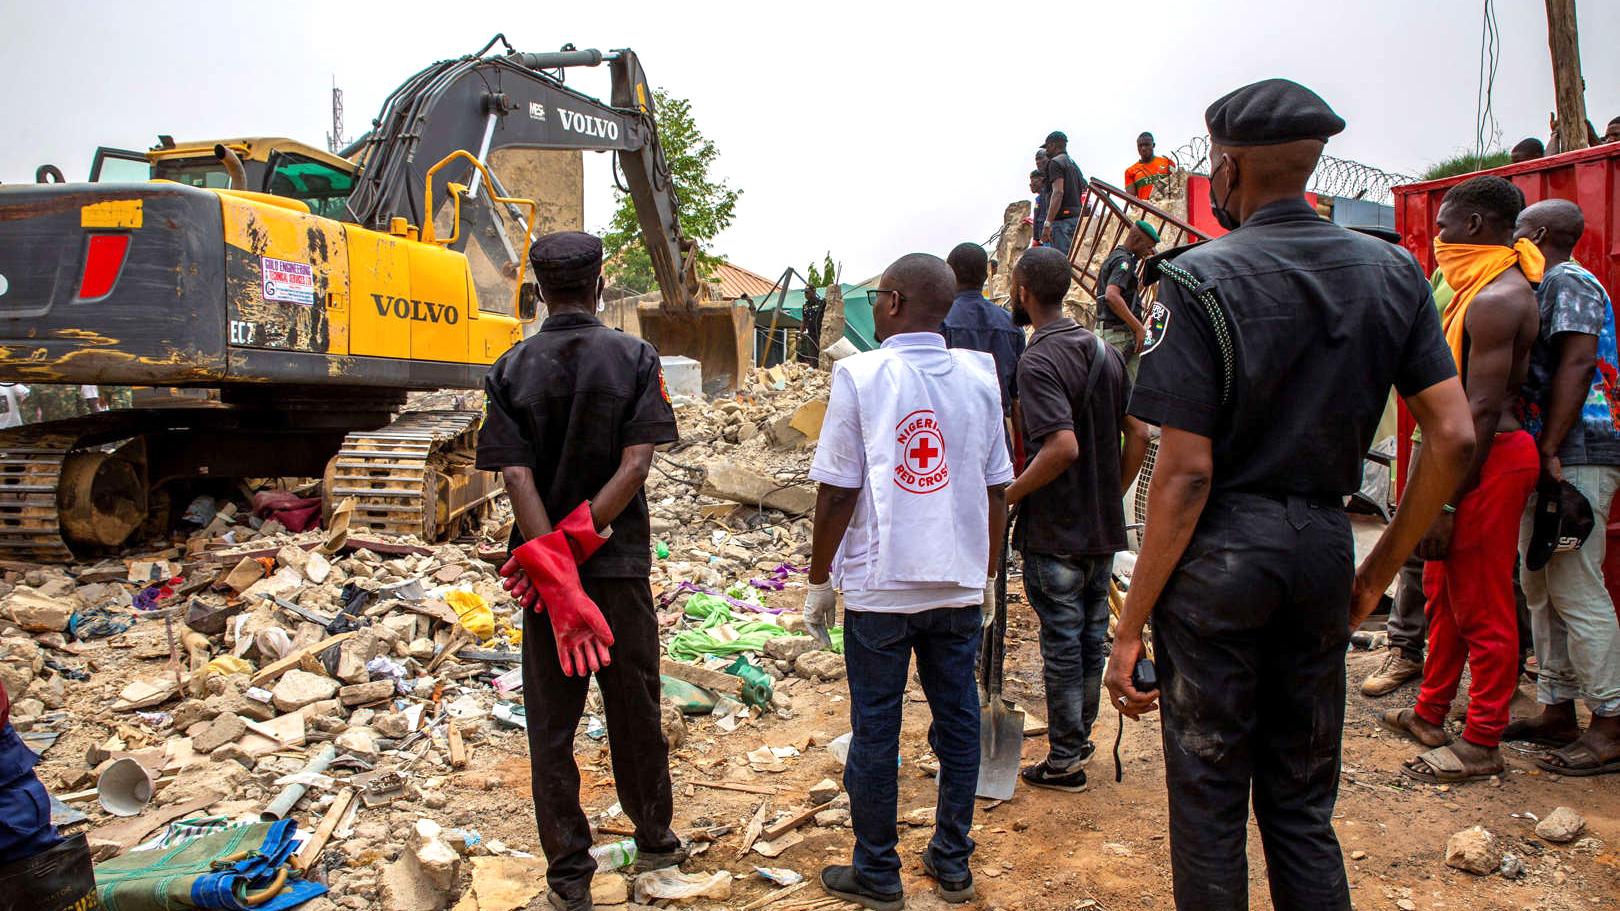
point(1490, 325)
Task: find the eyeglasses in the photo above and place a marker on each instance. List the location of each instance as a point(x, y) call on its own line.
point(872, 295)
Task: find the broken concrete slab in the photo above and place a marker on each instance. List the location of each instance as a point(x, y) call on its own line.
point(789, 648)
point(358, 741)
point(808, 418)
point(243, 575)
point(298, 688)
point(741, 485)
point(226, 728)
point(362, 693)
point(38, 612)
point(820, 665)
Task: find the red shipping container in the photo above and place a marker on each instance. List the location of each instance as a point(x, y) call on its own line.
point(1199, 214)
point(1588, 177)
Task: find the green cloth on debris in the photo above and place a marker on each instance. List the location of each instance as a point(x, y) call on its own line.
point(226, 870)
point(694, 642)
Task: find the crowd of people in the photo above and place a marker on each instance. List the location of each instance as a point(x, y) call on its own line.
point(970, 419)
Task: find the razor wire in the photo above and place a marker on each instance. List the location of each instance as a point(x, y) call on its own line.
point(1333, 176)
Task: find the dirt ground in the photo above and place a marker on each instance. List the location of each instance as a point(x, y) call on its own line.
point(1040, 851)
point(1105, 848)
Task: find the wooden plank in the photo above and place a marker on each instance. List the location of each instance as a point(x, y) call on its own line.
point(774, 897)
point(777, 830)
point(126, 833)
point(755, 825)
point(737, 786)
point(274, 670)
point(458, 750)
point(722, 683)
point(311, 851)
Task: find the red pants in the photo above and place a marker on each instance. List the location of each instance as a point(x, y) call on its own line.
point(1471, 610)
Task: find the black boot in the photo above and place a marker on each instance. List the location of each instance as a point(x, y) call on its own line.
point(843, 882)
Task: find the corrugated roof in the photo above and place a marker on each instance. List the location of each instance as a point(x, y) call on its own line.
point(735, 282)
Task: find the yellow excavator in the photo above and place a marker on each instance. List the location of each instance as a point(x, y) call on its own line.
point(313, 291)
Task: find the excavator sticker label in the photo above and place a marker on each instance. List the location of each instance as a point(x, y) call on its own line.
point(293, 283)
point(420, 311)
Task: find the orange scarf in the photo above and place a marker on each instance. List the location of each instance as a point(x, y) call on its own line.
point(1469, 268)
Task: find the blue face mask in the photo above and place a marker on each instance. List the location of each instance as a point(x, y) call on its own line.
point(1223, 215)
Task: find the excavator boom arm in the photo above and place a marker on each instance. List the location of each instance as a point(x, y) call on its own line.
point(519, 100)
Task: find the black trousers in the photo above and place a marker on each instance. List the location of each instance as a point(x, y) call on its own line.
point(554, 703)
point(1249, 639)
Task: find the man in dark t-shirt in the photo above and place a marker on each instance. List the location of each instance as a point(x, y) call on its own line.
point(1071, 515)
point(573, 414)
point(1064, 188)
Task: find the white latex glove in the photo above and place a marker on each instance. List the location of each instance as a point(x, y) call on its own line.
point(988, 608)
point(820, 610)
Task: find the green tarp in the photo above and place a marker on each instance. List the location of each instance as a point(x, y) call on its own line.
point(857, 314)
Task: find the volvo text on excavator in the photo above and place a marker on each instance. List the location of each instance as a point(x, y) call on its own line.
point(313, 291)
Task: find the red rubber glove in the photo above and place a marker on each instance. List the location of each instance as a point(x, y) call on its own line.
point(582, 635)
point(517, 584)
point(580, 528)
point(584, 541)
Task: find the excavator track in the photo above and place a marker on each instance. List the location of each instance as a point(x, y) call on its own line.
point(31, 461)
point(413, 477)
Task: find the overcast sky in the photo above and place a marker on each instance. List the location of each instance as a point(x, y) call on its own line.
point(868, 129)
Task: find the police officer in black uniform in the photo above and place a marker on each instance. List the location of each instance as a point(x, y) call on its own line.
point(1271, 358)
point(573, 414)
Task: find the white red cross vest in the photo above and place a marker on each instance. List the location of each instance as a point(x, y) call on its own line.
point(929, 417)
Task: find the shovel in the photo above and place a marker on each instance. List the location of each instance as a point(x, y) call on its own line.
point(1001, 724)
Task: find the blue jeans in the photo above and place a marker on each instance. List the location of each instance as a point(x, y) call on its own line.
point(877, 655)
point(1063, 233)
point(1070, 595)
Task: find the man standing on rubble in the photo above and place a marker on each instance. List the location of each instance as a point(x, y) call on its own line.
point(1037, 185)
point(1490, 325)
point(1072, 518)
point(1064, 187)
point(912, 466)
point(573, 414)
point(1247, 565)
point(1146, 172)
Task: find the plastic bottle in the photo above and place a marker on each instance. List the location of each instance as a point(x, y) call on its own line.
point(615, 855)
point(661, 549)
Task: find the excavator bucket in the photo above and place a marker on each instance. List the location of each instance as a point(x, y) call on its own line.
point(716, 334)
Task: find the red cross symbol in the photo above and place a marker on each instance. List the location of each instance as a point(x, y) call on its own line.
point(924, 453)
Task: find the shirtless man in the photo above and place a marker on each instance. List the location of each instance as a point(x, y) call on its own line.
point(1490, 324)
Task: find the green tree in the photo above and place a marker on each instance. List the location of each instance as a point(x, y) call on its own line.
point(707, 204)
point(823, 277)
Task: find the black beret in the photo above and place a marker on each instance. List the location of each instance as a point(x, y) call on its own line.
point(566, 256)
point(1271, 112)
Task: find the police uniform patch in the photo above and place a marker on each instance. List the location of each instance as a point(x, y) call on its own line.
point(1156, 324)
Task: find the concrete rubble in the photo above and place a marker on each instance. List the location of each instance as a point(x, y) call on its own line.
point(226, 661)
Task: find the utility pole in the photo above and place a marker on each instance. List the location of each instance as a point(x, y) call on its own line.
point(1569, 88)
point(334, 140)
